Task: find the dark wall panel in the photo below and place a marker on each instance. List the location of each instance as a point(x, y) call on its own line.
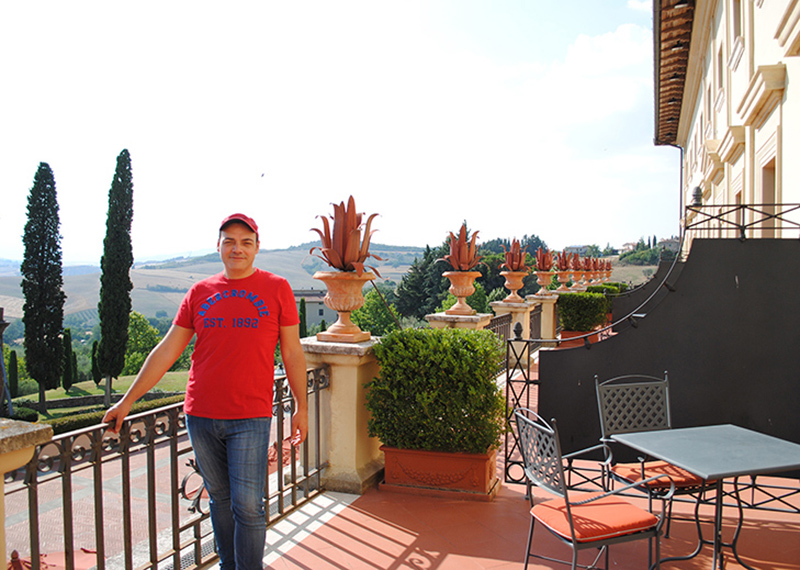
point(728, 335)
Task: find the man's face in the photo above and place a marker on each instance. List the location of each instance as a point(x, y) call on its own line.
point(237, 247)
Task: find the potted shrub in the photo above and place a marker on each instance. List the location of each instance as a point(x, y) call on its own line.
point(517, 269)
point(437, 410)
point(580, 313)
point(463, 258)
point(344, 250)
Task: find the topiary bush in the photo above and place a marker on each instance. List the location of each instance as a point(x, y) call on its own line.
point(581, 311)
point(437, 391)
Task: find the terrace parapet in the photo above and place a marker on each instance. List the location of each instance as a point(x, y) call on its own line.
point(355, 459)
point(478, 321)
point(18, 441)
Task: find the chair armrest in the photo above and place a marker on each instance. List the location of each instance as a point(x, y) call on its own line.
point(619, 490)
point(606, 452)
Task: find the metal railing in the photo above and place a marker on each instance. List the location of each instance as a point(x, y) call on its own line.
point(135, 499)
point(501, 326)
point(742, 221)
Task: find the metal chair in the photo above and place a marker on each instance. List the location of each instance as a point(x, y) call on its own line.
point(638, 402)
point(580, 520)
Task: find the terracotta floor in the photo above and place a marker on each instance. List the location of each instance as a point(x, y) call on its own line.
point(385, 530)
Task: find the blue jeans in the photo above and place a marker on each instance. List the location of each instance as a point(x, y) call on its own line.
point(231, 456)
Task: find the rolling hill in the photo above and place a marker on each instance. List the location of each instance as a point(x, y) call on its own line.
point(160, 285)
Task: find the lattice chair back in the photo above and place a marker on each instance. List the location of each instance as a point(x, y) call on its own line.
point(541, 452)
point(632, 403)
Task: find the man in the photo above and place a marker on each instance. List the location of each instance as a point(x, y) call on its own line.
point(238, 316)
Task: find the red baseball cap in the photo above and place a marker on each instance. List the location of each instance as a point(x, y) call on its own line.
point(246, 220)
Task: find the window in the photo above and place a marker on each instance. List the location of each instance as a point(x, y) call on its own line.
point(322, 312)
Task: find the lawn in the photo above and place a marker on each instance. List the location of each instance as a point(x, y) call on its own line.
point(171, 382)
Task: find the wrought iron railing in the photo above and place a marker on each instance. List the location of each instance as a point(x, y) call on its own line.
point(501, 326)
point(135, 498)
point(743, 221)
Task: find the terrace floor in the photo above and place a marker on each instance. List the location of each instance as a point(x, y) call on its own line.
point(386, 530)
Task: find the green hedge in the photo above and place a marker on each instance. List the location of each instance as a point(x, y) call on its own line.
point(581, 311)
point(81, 420)
point(436, 391)
point(610, 290)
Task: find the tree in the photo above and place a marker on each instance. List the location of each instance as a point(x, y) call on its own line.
point(68, 377)
point(42, 281)
point(376, 316)
point(142, 338)
point(115, 283)
point(423, 288)
point(302, 311)
point(96, 374)
point(13, 374)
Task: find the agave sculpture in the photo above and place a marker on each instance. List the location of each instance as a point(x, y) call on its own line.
point(544, 260)
point(343, 248)
point(463, 250)
point(563, 261)
point(515, 257)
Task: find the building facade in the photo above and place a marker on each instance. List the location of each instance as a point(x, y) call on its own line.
point(723, 71)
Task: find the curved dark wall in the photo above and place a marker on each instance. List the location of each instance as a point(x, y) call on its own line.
point(728, 335)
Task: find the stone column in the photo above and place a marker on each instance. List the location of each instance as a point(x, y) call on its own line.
point(477, 321)
point(520, 313)
point(18, 441)
point(356, 461)
point(549, 324)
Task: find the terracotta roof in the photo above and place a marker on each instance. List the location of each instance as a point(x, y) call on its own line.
point(672, 35)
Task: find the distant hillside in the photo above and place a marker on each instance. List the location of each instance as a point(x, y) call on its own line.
point(160, 285)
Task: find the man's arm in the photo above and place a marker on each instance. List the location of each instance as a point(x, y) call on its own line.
point(155, 366)
point(294, 362)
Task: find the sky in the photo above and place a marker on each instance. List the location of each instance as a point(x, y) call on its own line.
point(520, 117)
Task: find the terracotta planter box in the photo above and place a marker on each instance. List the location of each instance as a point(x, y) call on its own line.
point(441, 472)
point(578, 342)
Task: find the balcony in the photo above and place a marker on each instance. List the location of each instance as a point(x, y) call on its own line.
point(151, 514)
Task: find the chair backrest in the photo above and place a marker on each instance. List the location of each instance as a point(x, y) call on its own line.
point(541, 451)
point(631, 403)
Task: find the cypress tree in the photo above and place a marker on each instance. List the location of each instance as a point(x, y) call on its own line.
point(96, 374)
point(115, 283)
point(68, 378)
point(13, 374)
point(303, 324)
point(42, 281)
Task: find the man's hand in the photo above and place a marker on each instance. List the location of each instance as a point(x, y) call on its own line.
point(299, 427)
point(116, 415)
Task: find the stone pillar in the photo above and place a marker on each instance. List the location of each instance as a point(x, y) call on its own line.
point(549, 324)
point(356, 461)
point(477, 321)
point(520, 313)
point(18, 441)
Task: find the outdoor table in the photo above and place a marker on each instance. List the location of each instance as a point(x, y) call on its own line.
point(715, 453)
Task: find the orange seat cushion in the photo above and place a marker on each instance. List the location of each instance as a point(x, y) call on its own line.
point(633, 472)
point(601, 519)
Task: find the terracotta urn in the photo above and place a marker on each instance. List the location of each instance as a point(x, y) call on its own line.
point(544, 278)
point(461, 286)
point(563, 278)
point(577, 281)
point(344, 296)
point(514, 282)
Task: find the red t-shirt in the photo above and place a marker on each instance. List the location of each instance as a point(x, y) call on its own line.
point(237, 323)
